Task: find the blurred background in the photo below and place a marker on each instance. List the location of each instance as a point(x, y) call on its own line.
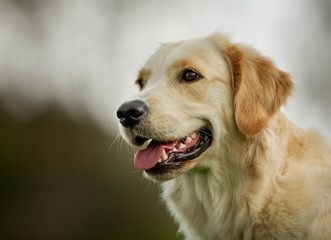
point(65, 67)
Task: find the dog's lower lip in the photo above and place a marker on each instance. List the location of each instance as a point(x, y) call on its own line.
point(175, 159)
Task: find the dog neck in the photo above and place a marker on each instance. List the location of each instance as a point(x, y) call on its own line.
point(224, 191)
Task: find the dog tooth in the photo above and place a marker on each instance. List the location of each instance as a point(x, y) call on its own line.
point(193, 135)
point(160, 160)
point(164, 155)
point(181, 145)
point(188, 139)
point(174, 149)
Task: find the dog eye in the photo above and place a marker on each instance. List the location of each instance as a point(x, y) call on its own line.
point(140, 83)
point(190, 75)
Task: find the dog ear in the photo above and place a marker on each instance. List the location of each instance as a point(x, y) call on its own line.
point(259, 88)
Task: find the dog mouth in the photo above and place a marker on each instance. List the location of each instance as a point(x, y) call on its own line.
point(160, 157)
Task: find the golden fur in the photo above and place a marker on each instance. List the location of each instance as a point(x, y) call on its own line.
point(262, 177)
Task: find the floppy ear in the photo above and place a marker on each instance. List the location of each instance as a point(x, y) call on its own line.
point(260, 89)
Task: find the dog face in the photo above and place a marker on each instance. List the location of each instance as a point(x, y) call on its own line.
point(192, 94)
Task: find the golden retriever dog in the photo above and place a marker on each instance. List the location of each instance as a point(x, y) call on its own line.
point(230, 164)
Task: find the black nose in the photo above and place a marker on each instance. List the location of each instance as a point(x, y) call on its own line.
point(130, 113)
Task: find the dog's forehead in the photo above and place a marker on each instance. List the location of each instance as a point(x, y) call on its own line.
point(193, 50)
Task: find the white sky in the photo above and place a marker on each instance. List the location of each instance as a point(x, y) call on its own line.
point(85, 54)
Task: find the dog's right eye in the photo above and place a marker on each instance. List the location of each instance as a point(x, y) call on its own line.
point(190, 75)
point(140, 83)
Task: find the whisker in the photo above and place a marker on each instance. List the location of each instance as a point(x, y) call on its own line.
point(130, 149)
point(207, 133)
point(121, 144)
point(116, 138)
point(135, 171)
point(150, 184)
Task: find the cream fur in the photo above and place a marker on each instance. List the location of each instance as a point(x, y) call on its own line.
point(262, 177)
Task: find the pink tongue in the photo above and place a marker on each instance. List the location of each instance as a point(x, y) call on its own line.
point(148, 158)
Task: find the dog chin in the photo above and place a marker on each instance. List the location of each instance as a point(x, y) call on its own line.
point(170, 174)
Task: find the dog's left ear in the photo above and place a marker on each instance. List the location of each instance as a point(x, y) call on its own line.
point(259, 88)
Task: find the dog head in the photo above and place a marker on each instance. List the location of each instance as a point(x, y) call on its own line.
point(192, 94)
